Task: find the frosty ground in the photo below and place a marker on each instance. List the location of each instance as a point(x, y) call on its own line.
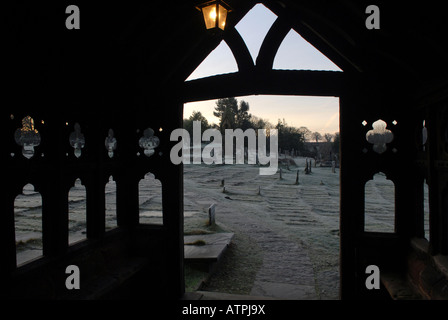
point(286, 234)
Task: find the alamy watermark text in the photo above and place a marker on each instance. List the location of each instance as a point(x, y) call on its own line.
point(256, 150)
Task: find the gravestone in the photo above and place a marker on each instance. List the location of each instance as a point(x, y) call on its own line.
point(211, 215)
point(308, 166)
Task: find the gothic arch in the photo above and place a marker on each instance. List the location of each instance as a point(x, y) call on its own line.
point(271, 43)
point(261, 78)
point(268, 50)
point(239, 50)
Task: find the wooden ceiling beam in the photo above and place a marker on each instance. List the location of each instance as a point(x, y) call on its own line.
point(266, 82)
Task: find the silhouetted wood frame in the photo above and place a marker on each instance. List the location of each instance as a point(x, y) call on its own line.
point(260, 78)
point(135, 70)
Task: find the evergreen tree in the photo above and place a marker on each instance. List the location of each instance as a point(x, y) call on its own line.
point(196, 116)
point(232, 115)
point(226, 110)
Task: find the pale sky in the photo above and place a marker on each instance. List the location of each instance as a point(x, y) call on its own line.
point(316, 113)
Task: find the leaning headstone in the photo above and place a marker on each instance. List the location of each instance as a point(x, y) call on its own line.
point(211, 215)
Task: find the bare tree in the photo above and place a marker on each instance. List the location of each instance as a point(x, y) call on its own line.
point(316, 136)
point(328, 137)
point(307, 134)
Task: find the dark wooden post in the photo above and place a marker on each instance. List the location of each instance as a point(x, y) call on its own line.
point(173, 206)
point(126, 177)
point(351, 197)
point(95, 197)
point(7, 235)
point(55, 190)
point(432, 124)
point(408, 185)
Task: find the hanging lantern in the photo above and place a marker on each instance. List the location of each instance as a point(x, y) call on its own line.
point(215, 14)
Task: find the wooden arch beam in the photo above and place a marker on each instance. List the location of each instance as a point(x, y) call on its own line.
point(239, 50)
point(271, 43)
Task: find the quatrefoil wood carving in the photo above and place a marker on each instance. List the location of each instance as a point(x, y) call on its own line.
point(379, 136)
point(77, 140)
point(110, 143)
point(149, 142)
point(27, 137)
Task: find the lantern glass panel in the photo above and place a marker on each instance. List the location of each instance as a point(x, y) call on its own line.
point(222, 17)
point(210, 16)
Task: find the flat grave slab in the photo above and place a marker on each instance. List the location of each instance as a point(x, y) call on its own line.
point(210, 251)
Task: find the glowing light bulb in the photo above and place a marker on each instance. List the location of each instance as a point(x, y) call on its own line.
point(213, 14)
